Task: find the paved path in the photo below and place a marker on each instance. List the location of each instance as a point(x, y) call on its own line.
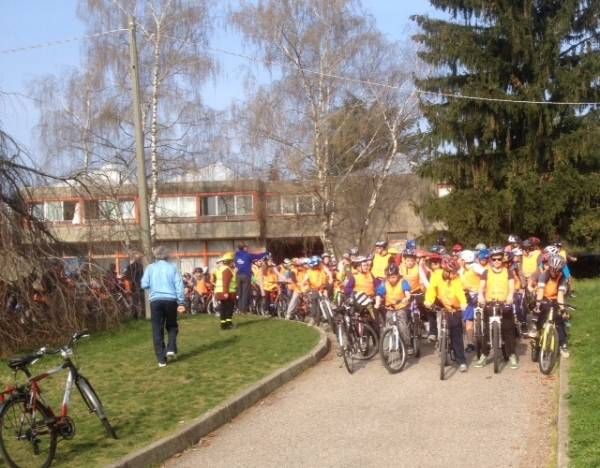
point(328, 418)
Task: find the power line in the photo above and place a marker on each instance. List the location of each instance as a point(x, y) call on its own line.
point(384, 85)
point(60, 42)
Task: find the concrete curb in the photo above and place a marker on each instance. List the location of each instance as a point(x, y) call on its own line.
point(563, 415)
point(198, 428)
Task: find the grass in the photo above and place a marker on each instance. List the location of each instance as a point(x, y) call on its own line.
point(146, 403)
point(584, 383)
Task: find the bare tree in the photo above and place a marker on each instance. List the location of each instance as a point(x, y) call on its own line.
point(93, 107)
point(325, 126)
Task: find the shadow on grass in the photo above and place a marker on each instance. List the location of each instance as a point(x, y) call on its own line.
point(210, 346)
point(247, 323)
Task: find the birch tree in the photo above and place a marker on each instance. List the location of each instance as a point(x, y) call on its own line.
point(323, 56)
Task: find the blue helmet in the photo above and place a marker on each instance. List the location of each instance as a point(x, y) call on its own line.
point(314, 261)
point(411, 244)
point(484, 254)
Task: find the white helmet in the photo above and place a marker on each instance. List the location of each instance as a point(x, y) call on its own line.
point(551, 250)
point(468, 256)
point(556, 262)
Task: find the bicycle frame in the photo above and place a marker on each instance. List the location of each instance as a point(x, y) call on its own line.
point(495, 317)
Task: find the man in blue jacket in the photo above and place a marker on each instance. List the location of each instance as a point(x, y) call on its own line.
point(243, 263)
point(166, 300)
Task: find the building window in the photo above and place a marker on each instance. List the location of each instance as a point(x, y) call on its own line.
point(110, 210)
point(176, 207)
point(55, 211)
point(228, 205)
point(292, 204)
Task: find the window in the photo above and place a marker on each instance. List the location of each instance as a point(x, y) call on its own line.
point(288, 205)
point(292, 204)
point(305, 204)
point(55, 211)
point(274, 204)
point(176, 207)
point(110, 210)
point(228, 205)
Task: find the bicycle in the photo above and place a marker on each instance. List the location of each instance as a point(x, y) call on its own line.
point(345, 339)
point(495, 326)
point(392, 349)
point(544, 348)
point(478, 330)
point(281, 301)
point(29, 428)
point(415, 329)
point(326, 310)
point(444, 342)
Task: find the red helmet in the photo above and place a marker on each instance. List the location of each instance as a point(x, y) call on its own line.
point(450, 264)
point(457, 248)
point(436, 257)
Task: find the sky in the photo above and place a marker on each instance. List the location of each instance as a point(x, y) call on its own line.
point(30, 22)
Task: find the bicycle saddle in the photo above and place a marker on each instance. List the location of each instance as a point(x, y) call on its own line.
point(19, 362)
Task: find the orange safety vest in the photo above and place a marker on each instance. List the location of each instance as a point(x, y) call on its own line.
point(393, 294)
point(551, 288)
point(412, 276)
point(200, 287)
point(270, 281)
point(317, 279)
point(380, 263)
point(470, 280)
point(530, 263)
point(365, 283)
point(496, 285)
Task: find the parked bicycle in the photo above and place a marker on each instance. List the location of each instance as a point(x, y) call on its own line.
point(357, 340)
point(444, 342)
point(29, 428)
point(545, 348)
point(495, 328)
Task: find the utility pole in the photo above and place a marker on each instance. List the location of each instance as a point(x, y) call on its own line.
point(139, 153)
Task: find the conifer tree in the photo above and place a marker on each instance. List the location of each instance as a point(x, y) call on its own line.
point(516, 168)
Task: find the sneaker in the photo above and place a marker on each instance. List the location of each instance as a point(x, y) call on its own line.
point(564, 351)
point(431, 338)
point(470, 348)
point(162, 364)
point(171, 355)
point(462, 368)
point(513, 363)
point(481, 362)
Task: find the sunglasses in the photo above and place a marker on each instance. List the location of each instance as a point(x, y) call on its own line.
point(496, 259)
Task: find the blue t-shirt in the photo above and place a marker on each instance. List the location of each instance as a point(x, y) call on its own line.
point(243, 261)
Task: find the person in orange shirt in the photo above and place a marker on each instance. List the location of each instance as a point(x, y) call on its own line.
point(412, 273)
point(450, 293)
point(394, 294)
point(381, 260)
point(363, 281)
point(315, 281)
point(470, 277)
point(200, 292)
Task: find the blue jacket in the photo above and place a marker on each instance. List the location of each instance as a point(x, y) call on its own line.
point(243, 261)
point(164, 281)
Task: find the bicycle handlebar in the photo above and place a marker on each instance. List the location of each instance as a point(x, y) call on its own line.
point(44, 350)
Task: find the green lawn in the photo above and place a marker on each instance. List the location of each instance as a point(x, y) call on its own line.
point(584, 398)
point(144, 402)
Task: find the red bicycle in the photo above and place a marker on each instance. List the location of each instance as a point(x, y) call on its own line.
point(29, 428)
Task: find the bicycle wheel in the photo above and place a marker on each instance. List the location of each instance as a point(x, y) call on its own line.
point(281, 306)
point(366, 341)
point(443, 354)
point(27, 438)
point(548, 349)
point(535, 351)
point(478, 335)
point(496, 346)
point(327, 312)
point(416, 336)
point(345, 348)
point(392, 350)
point(93, 402)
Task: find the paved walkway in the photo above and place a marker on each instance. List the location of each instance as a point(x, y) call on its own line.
point(328, 418)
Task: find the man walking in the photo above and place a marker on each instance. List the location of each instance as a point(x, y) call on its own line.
point(243, 263)
point(166, 299)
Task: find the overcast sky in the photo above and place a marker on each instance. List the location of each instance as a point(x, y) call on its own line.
point(30, 22)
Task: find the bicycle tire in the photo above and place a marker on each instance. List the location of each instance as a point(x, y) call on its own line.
point(478, 335)
point(281, 306)
point(548, 350)
point(416, 337)
point(93, 402)
point(327, 311)
point(443, 354)
point(10, 444)
point(496, 346)
point(535, 351)
point(395, 366)
point(367, 342)
point(345, 348)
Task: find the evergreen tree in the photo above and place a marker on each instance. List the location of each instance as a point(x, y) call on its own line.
point(516, 168)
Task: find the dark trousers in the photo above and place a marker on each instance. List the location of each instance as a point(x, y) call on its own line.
point(226, 312)
point(507, 330)
point(243, 292)
point(137, 303)
point(430, 316)
point(455, 330)
point(164, 316)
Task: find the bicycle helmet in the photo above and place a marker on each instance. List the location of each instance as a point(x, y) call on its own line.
point(442, 240)
point(314, 261)
point(484, 254)
point(556, 262)
point(411, 244)
point(287, 262)
point(359, 260)
point(353, 251)
point(436, 248)
point(382, 244)
point(558, 244)
point(468, 256)
point(526, 244)
point(198, 270)
point(513, 239)
point(456, 248)
point(551, 250)
point(392, 269)
point(409, 253)
point(362, 299)
point(496, 251)
point(480, 246)
point(325, 254)
point(450, 264)
point(517, 252)
point(434, 257)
